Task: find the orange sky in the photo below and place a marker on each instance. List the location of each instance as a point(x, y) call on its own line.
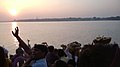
point(18, 9)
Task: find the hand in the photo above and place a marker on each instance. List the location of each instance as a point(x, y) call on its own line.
point(16, 32)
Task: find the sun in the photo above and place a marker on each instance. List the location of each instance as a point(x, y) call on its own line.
point(13, 12)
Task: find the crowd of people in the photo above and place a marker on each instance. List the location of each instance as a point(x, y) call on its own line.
point(97, 54)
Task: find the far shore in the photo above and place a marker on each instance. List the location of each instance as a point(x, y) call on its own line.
point(116, 18)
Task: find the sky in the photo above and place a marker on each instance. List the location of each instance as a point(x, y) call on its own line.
point(22, 9)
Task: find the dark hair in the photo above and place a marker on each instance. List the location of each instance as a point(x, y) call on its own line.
point(61, 53)
point(19, 51)
point(2, 57)
point(71, 62)
point(50, 48)
point(41, 47)
point(60, 63)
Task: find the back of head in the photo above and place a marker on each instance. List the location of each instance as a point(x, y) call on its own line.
point(19, 51)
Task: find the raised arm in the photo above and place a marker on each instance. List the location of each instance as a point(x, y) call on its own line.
point(21, 42)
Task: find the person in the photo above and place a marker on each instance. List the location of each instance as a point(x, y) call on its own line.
point(63, 47)
point(37, 59)
point(11, 56)
point(60, 63)
point(62, 55)
point(36, 54)
point(72, 51)
point(71, 63)
point(99, 56)
point(18, 59)
point(4, 61)
point(51, 57)
point(21, 42)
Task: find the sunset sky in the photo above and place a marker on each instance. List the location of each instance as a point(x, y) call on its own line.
point(19, 9)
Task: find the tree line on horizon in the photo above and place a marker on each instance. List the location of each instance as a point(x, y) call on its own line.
point(70, 19)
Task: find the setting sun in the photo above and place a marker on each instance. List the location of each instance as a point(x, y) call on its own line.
point(13, 12)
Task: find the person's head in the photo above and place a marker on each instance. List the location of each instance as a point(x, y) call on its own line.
point(39, 51)
point(71, 63)
point(55, 50)
point(61, 53)
point(63, 46)
point(2, 57)
point(2, 53)
point(6, 52)
point(19, 51)
point(50, 48)
point(11, 56)
point(60, 63)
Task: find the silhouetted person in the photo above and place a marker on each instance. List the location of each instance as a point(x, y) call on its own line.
point(60, 63)
point(36, 54)
point(62, 55)
point(100, 56)
point(71, 63)
point(4, 61)
point(18, 59)
point(51, 57)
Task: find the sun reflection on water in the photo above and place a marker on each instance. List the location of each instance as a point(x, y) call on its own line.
point(14, 25)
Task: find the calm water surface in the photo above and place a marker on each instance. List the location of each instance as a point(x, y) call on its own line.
point(57, 33)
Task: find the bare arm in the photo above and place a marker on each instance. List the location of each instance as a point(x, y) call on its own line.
point(21, 42)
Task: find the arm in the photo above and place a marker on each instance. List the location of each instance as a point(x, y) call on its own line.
point(69, 55)
point(21, 42)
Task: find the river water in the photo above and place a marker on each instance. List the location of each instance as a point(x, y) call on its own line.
point(57, 33)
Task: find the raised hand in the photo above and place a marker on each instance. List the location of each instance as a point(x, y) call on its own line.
point(16, 32)
point(21, 42)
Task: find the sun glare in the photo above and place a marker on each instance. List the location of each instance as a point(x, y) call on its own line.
point(14, 25)
point(13, 12)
